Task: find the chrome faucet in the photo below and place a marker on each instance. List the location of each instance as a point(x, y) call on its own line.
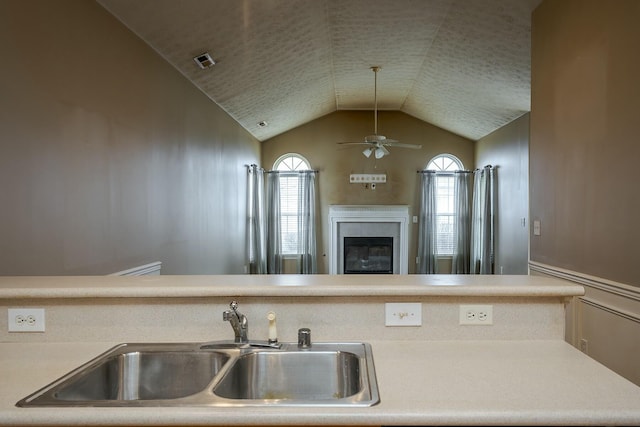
point(238, 321)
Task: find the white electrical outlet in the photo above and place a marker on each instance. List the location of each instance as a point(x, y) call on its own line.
point(26, 320)
point(476, 315)
point(584, 346)
point(403, 314)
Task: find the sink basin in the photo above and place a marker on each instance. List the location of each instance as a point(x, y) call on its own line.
point(134, 372)
point(145, 375)
point(312, 375)
point(218, 374)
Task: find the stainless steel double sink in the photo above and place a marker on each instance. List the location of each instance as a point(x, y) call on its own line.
point(218, 374)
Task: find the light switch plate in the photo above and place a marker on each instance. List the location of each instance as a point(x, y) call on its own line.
point(403, 314)
point(536, 227)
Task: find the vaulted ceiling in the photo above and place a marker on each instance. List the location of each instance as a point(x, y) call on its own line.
point(462, 65)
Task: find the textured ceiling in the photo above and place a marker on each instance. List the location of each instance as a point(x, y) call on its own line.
point(462, 65)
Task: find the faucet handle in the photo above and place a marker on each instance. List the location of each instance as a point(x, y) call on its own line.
point(304, 338)
point(233, 305)
point(273, 331)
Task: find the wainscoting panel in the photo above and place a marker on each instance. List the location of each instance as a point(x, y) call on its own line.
point(611, 337)
point(605, 322)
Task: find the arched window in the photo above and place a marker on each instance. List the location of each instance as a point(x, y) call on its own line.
point(445, 165)
point(291, 162)
point(290, 200)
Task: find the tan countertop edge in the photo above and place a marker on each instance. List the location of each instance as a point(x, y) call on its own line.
point(282, 285)
point(435, 382)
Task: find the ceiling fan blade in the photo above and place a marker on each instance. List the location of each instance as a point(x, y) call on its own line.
point(399, 144)
point(354, 143)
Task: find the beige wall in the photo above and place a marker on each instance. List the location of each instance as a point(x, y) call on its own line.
point(507, 149)
point(109, 158)
point(584, 155)
point(584, 146)
point(317, 142)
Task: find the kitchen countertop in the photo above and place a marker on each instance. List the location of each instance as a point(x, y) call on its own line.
point(163, 286)
point(420, 382)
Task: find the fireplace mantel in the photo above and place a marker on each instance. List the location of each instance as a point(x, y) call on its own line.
point(396, 216)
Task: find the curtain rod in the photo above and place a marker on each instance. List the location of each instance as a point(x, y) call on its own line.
point(453, 172)
point(294, 172)
point(253, 166)
point(443, 172)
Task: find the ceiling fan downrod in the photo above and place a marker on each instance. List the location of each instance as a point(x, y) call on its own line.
point(377, 143)
point(375, 70)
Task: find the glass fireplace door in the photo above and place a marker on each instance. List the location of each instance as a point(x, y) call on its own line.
point(368, 255)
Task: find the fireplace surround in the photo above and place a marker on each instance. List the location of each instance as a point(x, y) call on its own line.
point(369, 221)
point(368, 255)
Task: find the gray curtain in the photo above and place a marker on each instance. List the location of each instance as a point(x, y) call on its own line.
point(307, 253)
point(274, 244)
point(483, 222)
point(460, 263)
point(305, 225)
point(256, 226)
point(427, 232)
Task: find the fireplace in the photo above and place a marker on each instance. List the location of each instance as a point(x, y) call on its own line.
point(368, 255)
point(371, 223)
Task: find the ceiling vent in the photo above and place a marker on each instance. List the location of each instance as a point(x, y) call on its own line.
point(204, 60)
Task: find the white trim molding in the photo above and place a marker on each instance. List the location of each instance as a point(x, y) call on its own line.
point(616, 288)
point(610, 309)
point(152, 269)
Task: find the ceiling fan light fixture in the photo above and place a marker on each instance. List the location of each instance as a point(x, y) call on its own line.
point(379, 153)
point(367, 152)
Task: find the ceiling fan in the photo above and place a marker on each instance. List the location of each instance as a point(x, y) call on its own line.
point(377, 144)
